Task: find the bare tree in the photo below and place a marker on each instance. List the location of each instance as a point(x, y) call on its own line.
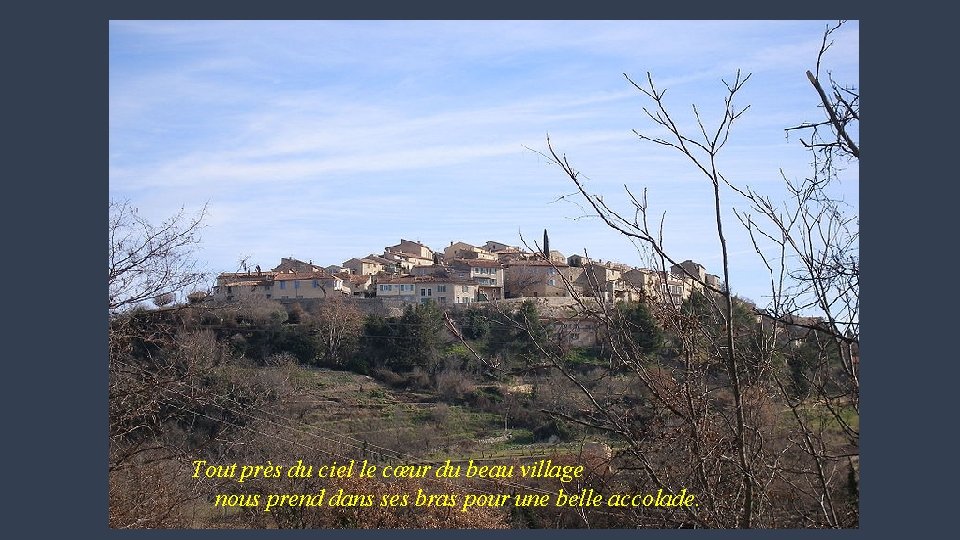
point(150, 365)
point(339, 324)
point(711, 416)
point(147, 261)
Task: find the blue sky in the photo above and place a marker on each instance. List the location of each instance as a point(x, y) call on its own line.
point(326, 140)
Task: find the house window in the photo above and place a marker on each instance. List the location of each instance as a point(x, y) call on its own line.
point(552, 283)
point(283, 285)
point(316, 284)
point(464, 288)
point(442, 299)
point(441, 288)
point(426, 292)
point(296, 284)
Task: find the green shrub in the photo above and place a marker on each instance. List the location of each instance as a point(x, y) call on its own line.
point(552, 428)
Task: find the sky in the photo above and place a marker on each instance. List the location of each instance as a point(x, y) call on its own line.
point(328, 140)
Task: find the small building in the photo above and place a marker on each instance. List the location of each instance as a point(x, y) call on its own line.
point(487, 274)
point(572, 331)
point(390, 266)
point(364, 266)
point(291, 285)
point(443, 290)
point(463, 250)
point(243, 285)
point(411, 248)
point(493, 246)
point(278, 285)
point(359, 284)
point(535, 278)
point(689, 268)
point(289, 264)
point(557, 257)
point(646, 285)
point(596, 280)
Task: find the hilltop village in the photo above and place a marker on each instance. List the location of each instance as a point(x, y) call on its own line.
point(462, 274)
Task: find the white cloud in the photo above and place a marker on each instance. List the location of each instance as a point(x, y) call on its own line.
point(345, 135)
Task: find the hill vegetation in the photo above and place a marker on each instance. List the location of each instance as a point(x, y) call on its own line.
point(755, 411)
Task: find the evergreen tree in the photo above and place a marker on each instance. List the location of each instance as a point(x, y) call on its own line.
point(475, 324)
point(527, 331)
point(642, 329)
point(418, 337)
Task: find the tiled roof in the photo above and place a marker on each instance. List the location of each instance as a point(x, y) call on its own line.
point(357, 279)
point(304, 275)
point(461, 244)
point(245, 283)
point(402, 240)
point(431, 270)
point(410, 255)
point(424, 279)
point(242, 275)
point(535, 262)
point(478, 263)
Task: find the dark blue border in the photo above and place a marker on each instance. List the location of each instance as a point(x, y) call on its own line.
point(56, 382)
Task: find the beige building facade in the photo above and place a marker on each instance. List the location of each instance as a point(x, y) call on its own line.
point(445, 291)
point(410, 247)
point(363, 267)
point(536, 278)
point(279, 285)
point(463, 250)
point(643, 284)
